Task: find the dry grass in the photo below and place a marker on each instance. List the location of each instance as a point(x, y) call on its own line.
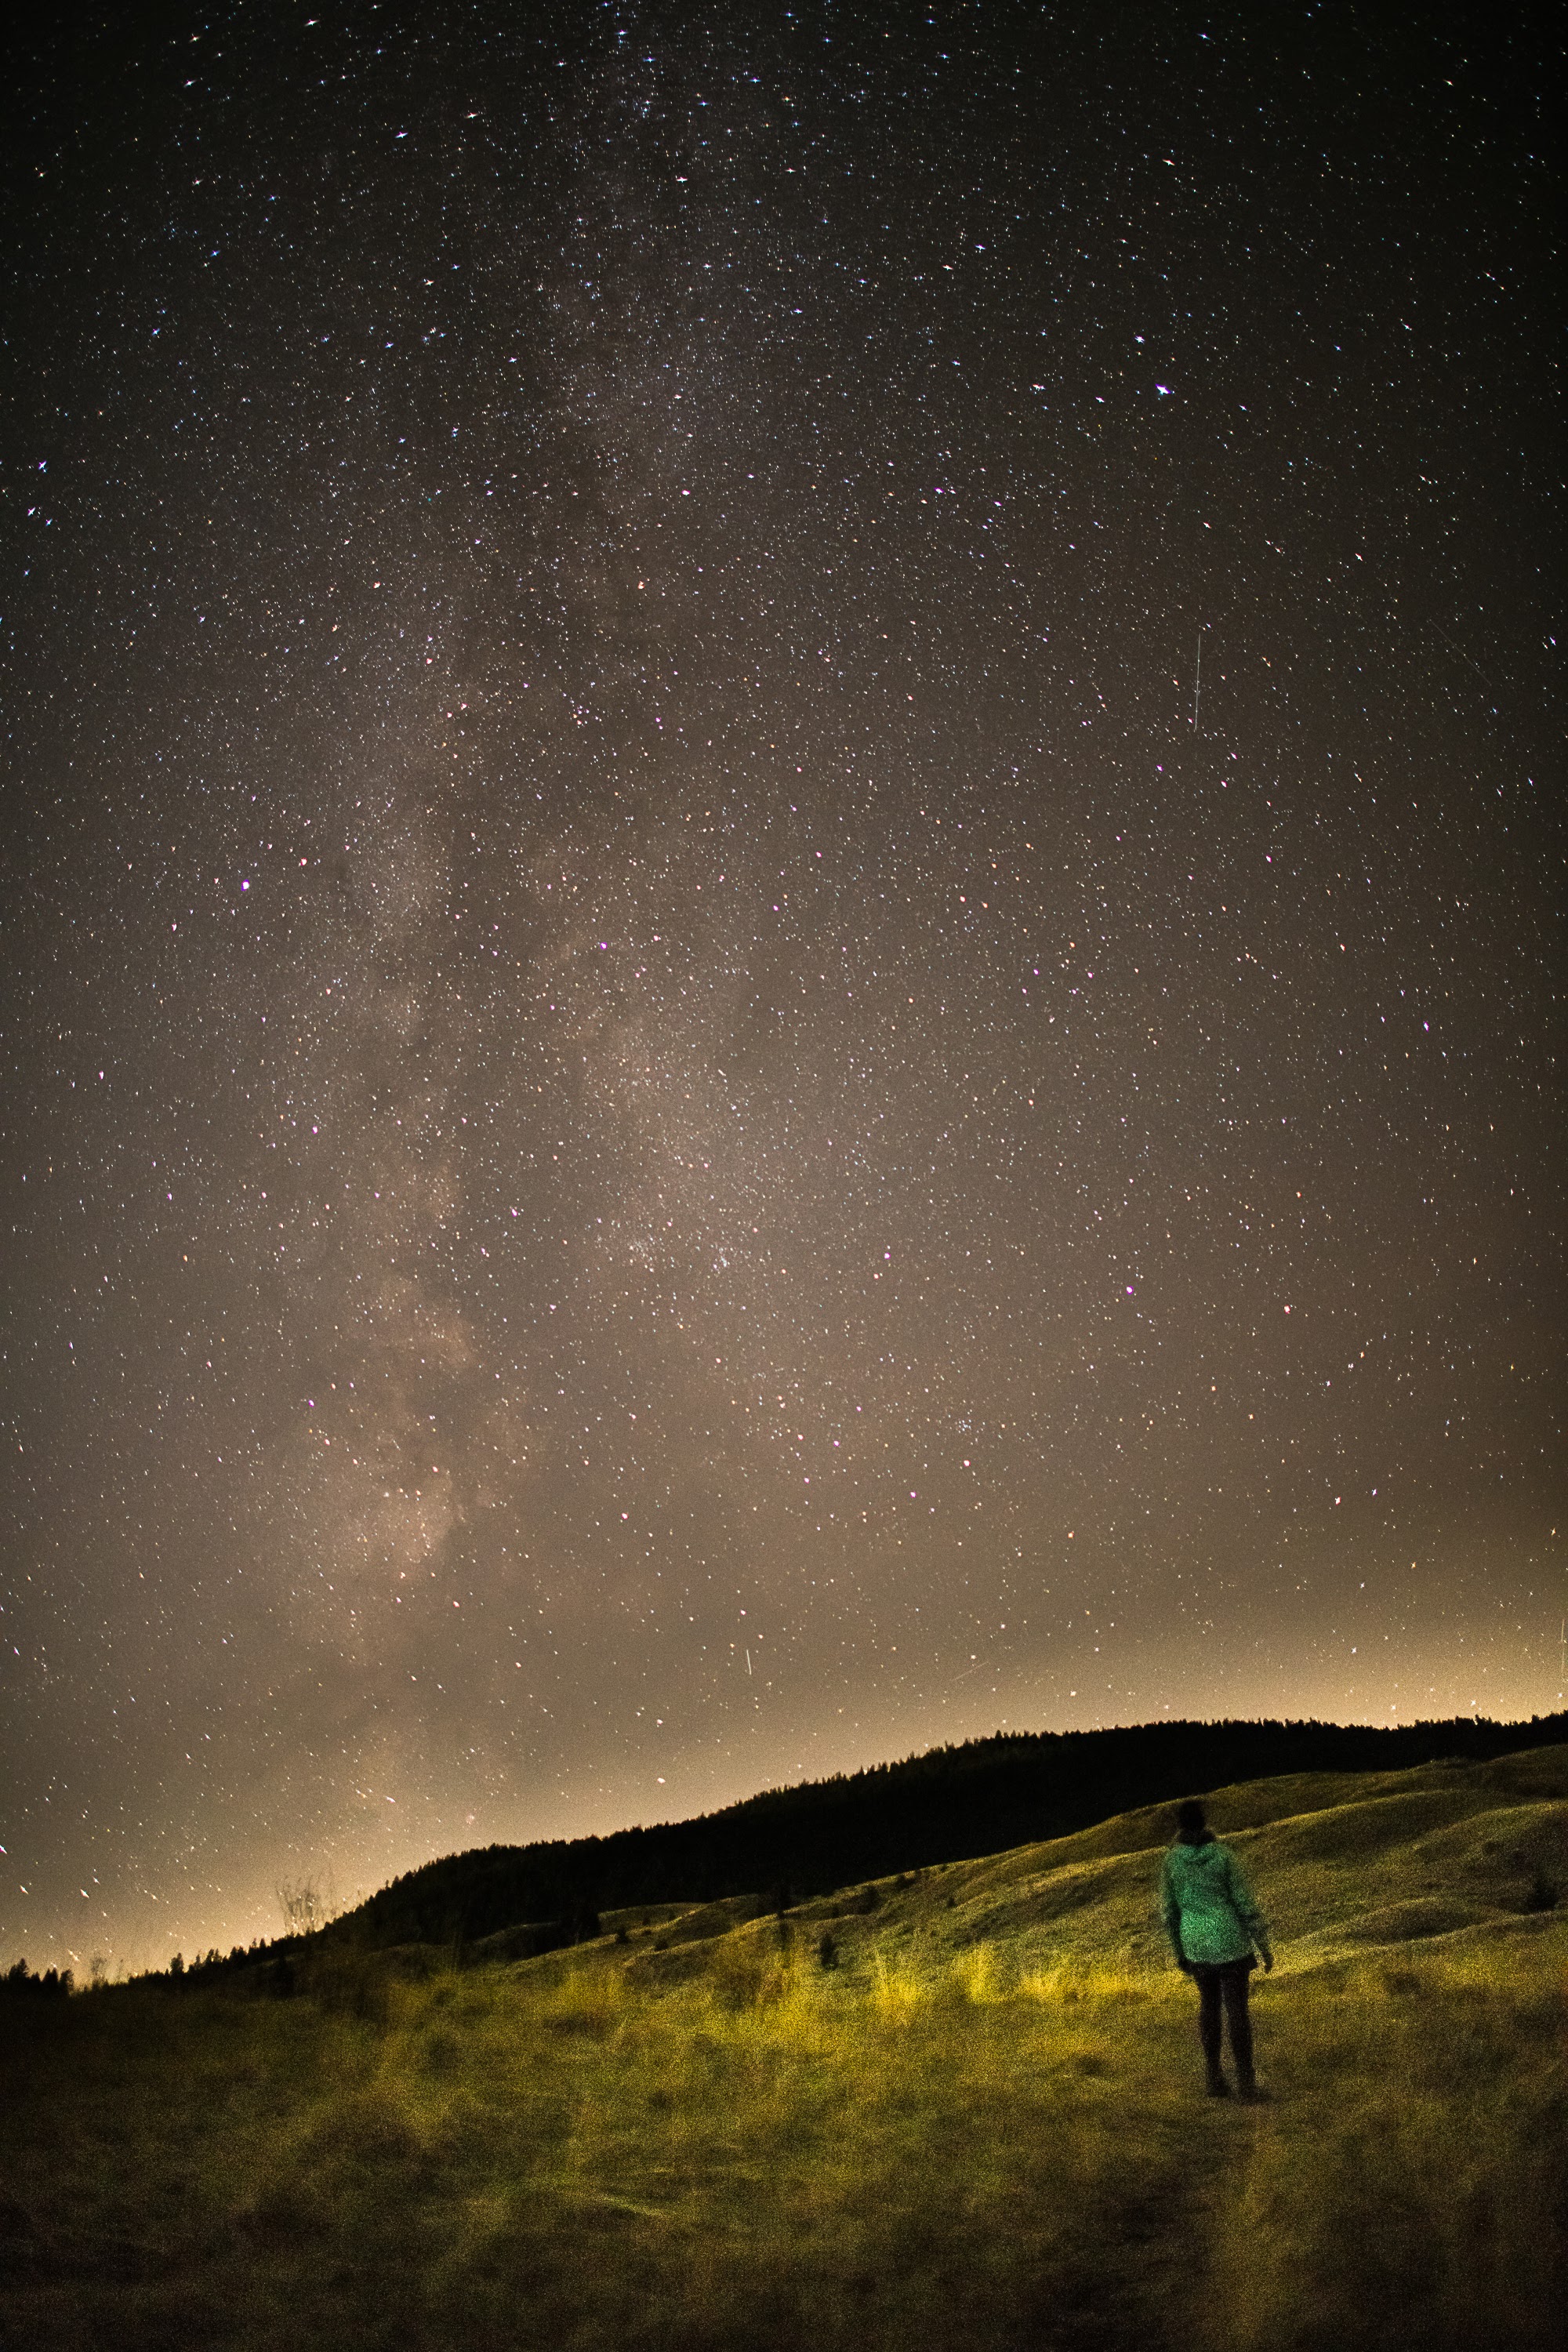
point(982, 2136)
point(771, 2157)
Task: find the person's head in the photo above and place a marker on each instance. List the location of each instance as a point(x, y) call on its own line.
point(1191, 1821)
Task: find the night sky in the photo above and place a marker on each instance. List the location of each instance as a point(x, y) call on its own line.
point(778, 924)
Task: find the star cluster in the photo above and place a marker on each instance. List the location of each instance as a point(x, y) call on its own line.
point(778, 912)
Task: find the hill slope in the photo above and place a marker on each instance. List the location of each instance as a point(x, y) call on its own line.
point(1343, 1863)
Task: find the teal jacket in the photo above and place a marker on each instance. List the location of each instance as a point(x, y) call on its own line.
point(1211, 1913)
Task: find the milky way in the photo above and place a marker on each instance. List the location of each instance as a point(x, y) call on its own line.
point(778, 913)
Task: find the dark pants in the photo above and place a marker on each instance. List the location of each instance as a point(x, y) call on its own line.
point(1226, 1986)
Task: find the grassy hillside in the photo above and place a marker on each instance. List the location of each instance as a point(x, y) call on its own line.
point(980, 2126)
point(946, 1805)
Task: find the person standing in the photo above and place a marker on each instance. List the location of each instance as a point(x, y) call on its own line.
point(1218, 1934)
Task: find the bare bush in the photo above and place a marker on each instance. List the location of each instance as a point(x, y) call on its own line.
point(307, 1905)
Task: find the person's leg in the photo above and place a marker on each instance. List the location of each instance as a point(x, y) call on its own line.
point(1238, 2018)
point(1209, 2029)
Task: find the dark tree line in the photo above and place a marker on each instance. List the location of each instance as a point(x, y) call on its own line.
point(950, 1804)
point(20, 1983)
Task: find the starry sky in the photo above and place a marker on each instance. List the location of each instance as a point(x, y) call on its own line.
point(778, 940)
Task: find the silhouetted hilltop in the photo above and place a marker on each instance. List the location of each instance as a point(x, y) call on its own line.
point(950, 1804)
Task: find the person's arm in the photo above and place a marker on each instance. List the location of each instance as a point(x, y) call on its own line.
point(1170, 1912)
point(1247, 1910)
